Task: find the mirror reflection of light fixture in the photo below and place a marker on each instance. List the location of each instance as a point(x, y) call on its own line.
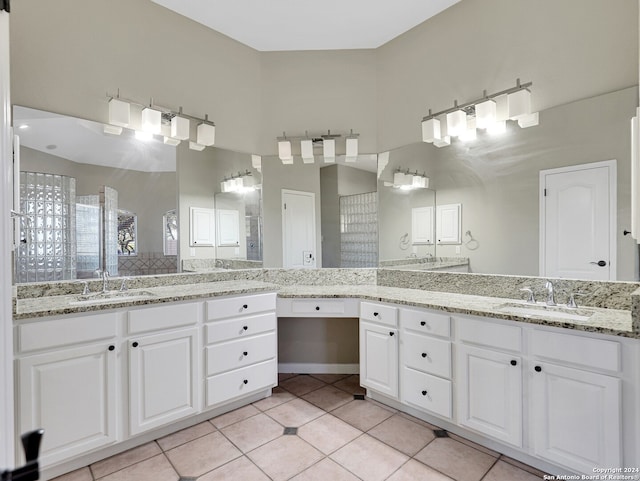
point(171, 141)
point(196, 146)
point(142, 135)
point(256, 162)
point(490, 112)
point(240, 183)
point(112, 129)
point(306, 150)
point(351, 148)
point(405, 180)
point(284, 150)
point(329, 150)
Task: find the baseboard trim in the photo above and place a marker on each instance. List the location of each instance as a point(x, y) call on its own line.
point(316, 368)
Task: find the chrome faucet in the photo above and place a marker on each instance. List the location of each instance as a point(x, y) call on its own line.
point(551, 301)
point(105, 280)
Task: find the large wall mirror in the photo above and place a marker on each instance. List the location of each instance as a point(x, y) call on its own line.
point(496, 182)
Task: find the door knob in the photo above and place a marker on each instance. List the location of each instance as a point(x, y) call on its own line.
point(599, 263)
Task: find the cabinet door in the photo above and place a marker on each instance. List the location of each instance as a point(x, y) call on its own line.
point(490, 393)
point(163, 379)
point(576, 417)
point(71, 394)
point(379, 358)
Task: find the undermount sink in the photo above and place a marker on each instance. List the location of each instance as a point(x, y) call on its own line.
point(110, 296)
point(542, 310)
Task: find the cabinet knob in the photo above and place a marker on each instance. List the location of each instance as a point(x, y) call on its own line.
point(135, 344)
point(514, 362)
point(424, 354)
point(391, 333)
point(245, 306)
point(538, 368)
point(245, 327)
point(246, 381)
point(423, 323)
point(245, 353)
point(424, 393)
point(317, 308)
point(112, 347)
point(375, 314)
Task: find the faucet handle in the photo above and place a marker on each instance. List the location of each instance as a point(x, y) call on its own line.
point(85, 288)
point(123, 286)
point(571, 303)
point(531, 299)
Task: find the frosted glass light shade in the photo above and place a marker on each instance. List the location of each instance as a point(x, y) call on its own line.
point(206, 134)
point(306, 149)
point(519, 104)
point(329, 150)
point(151, 120)
point(141, 135)
point(502, 108)
point(470, 133)
point(171, 141)
point(196, 146)
point(180, 128)
point(284, 151)
point(498, 127)
point(456, 123)
point(530, 120)
point(256, 162)
point(443, 142)
point(119, 113)
point(352, 148)
point(112, 129)
point(431, 130)
point(485, 114)
point(225, 185)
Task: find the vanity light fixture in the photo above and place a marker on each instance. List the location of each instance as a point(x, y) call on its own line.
point(155, 119)
point(329, 150)
point(351, 148)
point(310, 142)
point(306, 150)
point(256, 162)
point(239, 183)
point(284, 150)
point(490, 112)
point(405, 180)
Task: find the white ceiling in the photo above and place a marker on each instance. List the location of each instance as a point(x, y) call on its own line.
point(308, 24)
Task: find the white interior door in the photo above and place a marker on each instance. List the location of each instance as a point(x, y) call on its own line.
point(298, 229)
point(577, 221)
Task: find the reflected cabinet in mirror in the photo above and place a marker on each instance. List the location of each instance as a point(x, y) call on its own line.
point(509, 224)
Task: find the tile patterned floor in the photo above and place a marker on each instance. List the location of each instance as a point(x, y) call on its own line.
point(338, 438)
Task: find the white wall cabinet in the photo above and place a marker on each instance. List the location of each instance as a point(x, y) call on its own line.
point(422, 225)
point(71, 394)
point(202, 223)
point(449, 224)
point(163, 378)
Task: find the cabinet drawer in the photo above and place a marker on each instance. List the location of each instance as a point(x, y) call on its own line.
point(241, 382)
point(242, 352)
point(426, 392)
point(240, 305)
point(488, 333)
point(426, 354)
point(380, 313)
point(238, 328)
point(426, 322)
point(583, 351)
point(166, 316)
point(64, 332)
point(318, 307)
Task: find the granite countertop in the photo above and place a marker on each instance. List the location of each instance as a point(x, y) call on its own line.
point(429, 266)
point(605, 321)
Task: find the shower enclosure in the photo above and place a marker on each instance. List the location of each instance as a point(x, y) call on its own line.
point(359, 230)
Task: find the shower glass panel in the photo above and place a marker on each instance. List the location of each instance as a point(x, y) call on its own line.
point(253, 222)
point(87, 235)
point(359, 230)
point(47, 251)
point(109, 200)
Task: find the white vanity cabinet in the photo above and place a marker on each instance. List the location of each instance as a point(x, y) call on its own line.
point(241, 347)
point(425, 360)
point(67, 383)
point(379, 348)
point(489, 378)
point(576, 400)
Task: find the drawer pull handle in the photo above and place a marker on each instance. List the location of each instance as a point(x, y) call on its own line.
point(391, 333)
point(246, 381)
point(537, 368)
point(245, 353)
point(423, 323)
point(112, 347)
point(245, 327)
point(424, 393)
point(317, 308)
point(514, 362)
point(424, 354)
point(135, 344)
point(375, 314)
point(245, 306)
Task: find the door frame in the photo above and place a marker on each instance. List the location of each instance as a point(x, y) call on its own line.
point(284, 229)
point(613, 211)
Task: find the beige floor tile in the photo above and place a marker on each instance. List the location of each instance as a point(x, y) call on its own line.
point(328, 398)
point(413, 471)
point(279, 396)
point(330, 378)
point(456, 459)
point(521, 465)
point(295, 413)
point(325, 470)
point(351, 385)
point(328, 433)
point(240, 469)
point(302, 384)
point(502, 471)
point(433, 427)
point(157, 468)
point(186, 435)
point(285, 457)
point(477, 446)
point(369, 459)
point(285, 375)
point(253, 432)
point(122, 460)
point(83, 474)
point(202, 455)
point(362, 414)
point(404, 435)
point(234, 416)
